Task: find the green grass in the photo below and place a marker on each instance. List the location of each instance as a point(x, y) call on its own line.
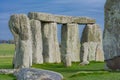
point(7, 77)
point(7, 49)
point(6, 56)
point(6, 62)
point(93, 71)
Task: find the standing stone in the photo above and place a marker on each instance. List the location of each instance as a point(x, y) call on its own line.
point(92, 40)
point(111, 36)
point(84, 49)
point(20, 27)
point(99, 50)
point(36, 42)
point(70, 42)
point(51, 50)
point(67, 60)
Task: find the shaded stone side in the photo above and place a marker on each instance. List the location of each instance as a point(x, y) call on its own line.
point(70, 43)
point(91, 42)
point(84, 54)
point(51, 50)
point(20, 28)
point(111, 35)
point(36, 42)
point(91, 33)
point(60, 18)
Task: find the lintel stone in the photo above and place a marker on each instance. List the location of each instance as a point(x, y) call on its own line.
point(60, 18)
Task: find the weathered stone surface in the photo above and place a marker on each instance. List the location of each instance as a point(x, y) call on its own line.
point(59, 18)
point(7, 71)
point(37, 74)
point(92, 43)
point(84, 54)
point(67, 60)
point(99, 52)
point(70, 42)
point(20, 27)
point(111, 35)
point(36, 42)
point(91, 33)
point(51, 50)
point(84, 63)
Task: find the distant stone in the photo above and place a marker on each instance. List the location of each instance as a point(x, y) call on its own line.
point(111, 35)
point(84, 63)
point(59, 18)
point(37, 47)
point(37, 74)
point(92, 33)
point(20, 28)
point(67, 60)
point(92, 49)
point(51, 50)
point(84, 53)
point(99, 53)
point(70, 41)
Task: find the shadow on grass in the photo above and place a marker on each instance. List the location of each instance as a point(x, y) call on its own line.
point(6, 66)
point(11, 75)
point(75, 68)
point(86, 73)
point(6, 76)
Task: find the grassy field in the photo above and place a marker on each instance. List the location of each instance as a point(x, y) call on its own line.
point(7, 77)
point(6, 56)
point(6, 49)
point(93, 71)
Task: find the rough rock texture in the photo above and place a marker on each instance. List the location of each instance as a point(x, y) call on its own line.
point(85, 54)
point(67, 60)
point(51, 50)
point(37, 74)
point(92, 43)
point(111, 36)
point(59, 19)
point(70, 42)
point(36, 42)
point(7, 71)
point(20, 27)
point(99, 52)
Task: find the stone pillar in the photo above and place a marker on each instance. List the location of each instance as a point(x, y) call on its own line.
point(36, 42)
point(67, 60)
point(70, 41)
point(20, 27)
point(84, 57)
point(51, 50)
point(99, 52)
point(111, 35)
point(92, 37)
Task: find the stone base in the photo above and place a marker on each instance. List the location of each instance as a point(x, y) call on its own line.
point(84, 63)
point(113, 64)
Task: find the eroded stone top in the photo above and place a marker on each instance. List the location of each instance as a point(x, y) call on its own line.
point(60, 18)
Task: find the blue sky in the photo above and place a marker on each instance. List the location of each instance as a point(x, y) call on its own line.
point(90, 8)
